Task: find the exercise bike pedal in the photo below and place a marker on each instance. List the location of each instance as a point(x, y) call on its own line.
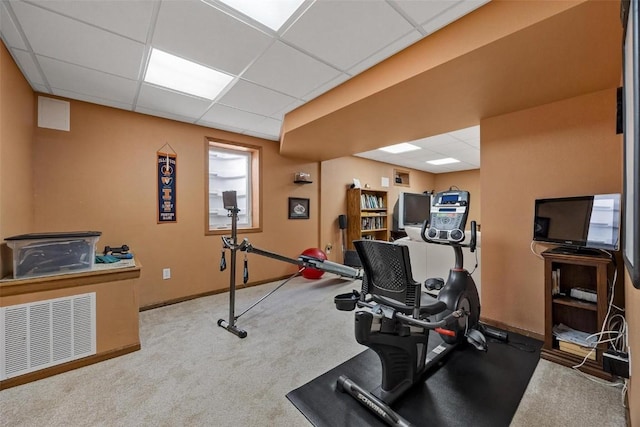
point(477, 339)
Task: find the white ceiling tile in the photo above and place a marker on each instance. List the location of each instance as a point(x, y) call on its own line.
point(9, 30)
point(261, 135)
point(257, 99)
point(40, 88)
point(386, 52)
point(58, 37)
point(220, 114)
point(92, 83)
point(456, 167)
point(359, 28)
point(414, 164)
point(435, 141)
point(163, 114)
point(199, 32)
point(128, 18)
point(450, 148)
point(471, 156)
point(473, 142)
point(326, 86)
point(411, 155)
point(472, 132)
point(279, 115)
point(168, 101)
point(220, 126)
point(28, 66)
point(92, 99)
point(423, 11)
point(457, 11)
point(288, 70)
point(268, 126)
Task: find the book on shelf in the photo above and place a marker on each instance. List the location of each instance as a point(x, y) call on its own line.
point(575, 349)
point(555, 282)
point(372, 223)
point(369, 201)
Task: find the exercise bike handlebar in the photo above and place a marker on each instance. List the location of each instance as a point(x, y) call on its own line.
point(446, 321)
point(472, 240)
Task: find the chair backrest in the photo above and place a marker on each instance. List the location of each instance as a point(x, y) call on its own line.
point(388, 277)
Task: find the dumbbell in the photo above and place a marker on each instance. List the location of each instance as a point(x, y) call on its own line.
point(119, 250)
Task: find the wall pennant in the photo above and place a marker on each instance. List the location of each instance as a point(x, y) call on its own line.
point(166, 167)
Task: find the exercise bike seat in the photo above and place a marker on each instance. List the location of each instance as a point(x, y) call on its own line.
point(389, 281)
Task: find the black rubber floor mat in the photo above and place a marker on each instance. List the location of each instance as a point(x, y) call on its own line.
point(471, 388)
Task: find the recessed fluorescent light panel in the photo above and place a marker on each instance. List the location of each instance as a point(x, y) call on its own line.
point(272, 13)
point(175, 73)
point(400, 148)
point(444, 161)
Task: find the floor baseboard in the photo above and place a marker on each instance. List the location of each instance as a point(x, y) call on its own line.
point(65, 367)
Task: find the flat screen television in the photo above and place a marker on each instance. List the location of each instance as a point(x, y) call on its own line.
point(413, 209)
point(578, 224)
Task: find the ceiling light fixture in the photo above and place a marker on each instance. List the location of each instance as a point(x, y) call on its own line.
point(444, 161)
point(400, 148)
point(272, 13)
point(179, 74)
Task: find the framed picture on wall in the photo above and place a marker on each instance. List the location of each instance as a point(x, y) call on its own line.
point(298, 208)
point(631, 112)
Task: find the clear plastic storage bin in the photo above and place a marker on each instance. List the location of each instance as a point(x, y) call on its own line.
point(46, 254)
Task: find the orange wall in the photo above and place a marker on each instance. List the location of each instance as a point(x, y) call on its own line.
point(561, 149)
point(101, 176)
point(338, 174)
point(632, 314)
point(16, 152)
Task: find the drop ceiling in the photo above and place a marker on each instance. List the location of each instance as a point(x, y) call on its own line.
point(97, 51)
point(462, 145)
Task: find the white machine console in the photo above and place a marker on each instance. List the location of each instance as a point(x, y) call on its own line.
point(448, 217)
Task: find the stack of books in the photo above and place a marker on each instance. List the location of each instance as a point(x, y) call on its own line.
point(577, 350)
point(575, 342)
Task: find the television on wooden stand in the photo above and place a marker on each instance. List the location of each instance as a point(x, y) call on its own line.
point(579, 225)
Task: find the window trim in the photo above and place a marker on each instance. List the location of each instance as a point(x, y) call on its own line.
point(256, 184)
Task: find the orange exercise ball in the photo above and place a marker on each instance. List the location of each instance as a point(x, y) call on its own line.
point(313, 273)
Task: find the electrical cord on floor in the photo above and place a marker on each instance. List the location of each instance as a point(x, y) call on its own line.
point(515, 344)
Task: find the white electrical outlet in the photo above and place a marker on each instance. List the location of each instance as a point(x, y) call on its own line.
point(166, 273)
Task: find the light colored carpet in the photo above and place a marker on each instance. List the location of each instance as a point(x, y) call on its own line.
point(190, 372)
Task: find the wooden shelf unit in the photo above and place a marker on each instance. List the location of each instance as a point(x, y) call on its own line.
point(576, 271)
point(367, 215)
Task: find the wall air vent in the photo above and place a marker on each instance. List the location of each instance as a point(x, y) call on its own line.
point(46, 333)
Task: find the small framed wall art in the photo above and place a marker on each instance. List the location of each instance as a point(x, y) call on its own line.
point(298, 208)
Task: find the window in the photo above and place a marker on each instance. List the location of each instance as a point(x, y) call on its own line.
point(232, 167)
